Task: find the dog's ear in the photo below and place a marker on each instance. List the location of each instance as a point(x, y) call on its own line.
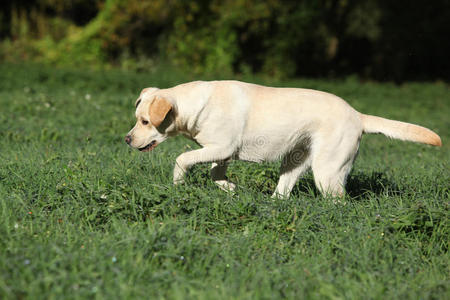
point(144, 90)
point(137, 102)
point(150, 89)
point(158, 110)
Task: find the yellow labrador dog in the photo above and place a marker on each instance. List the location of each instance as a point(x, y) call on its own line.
point(236, 120)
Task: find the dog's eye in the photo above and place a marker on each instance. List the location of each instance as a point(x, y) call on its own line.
point(144, 122)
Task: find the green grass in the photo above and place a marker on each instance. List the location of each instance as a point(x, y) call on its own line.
point(82, 215)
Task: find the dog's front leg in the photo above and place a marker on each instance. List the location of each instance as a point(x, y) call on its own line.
point(207, 154)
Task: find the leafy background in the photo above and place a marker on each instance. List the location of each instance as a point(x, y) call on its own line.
point(381, 39)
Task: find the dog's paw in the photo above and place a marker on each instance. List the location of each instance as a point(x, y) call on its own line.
point(225, 185)
point(277, 195)
point(178, 181)
point(339, 201)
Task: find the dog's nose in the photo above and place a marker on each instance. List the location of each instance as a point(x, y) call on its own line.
point(128, 139)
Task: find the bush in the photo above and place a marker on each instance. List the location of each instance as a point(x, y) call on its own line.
point(381, 39)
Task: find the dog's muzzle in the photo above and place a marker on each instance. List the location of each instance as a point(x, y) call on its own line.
point(149, 147)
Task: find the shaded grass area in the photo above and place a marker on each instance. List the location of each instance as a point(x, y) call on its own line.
point(82, 215)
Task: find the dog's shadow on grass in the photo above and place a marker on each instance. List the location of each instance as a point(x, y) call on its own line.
point(359, 186)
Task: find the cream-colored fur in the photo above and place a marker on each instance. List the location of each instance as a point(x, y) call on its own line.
point(236, 120)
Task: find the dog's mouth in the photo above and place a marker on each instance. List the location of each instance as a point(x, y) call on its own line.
point(149, 147)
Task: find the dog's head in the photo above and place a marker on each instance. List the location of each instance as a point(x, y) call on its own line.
point(154, 120)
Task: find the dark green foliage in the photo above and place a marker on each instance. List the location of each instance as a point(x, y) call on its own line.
point(385, 40)
point(84, 216)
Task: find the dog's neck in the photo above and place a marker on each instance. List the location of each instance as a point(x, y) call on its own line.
point(187, 110)
point(185, 126)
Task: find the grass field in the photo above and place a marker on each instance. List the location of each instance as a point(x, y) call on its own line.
point(82, 215)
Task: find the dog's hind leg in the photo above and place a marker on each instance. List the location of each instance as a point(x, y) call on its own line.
point(218, 171)
point(331, 181)
point(331, 164)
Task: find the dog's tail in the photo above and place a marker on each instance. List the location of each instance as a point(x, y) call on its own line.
point(400, 130)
